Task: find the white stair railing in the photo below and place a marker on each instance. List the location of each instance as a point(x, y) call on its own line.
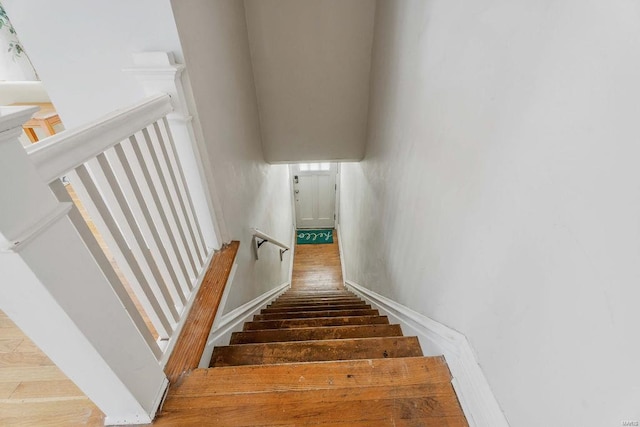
point(103, 296)
point(100, 271)
point(126, 173)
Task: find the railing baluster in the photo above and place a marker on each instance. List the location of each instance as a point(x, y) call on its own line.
point(159, 206)
point(171, 159)
point(170, 201)
point(164, 327)
point(144, 208)
point(142, 229)
point(122, 202)
point(88, 237)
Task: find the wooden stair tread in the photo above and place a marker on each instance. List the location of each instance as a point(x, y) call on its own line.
point(317, 396)
point(315, 333)
point(306, 314)
point(314, 376)
point(298, 351)
point(317, 294)
point(316, 298)
point(348, 306)
point(315, 321)
point(431, 401)
point(315, 302)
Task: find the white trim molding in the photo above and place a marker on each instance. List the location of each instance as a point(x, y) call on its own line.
point(476, 398)
point(233, 321)
point(342, 263)
point(137, 419)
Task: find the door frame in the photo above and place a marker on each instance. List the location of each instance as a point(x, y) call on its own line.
point(337, 195)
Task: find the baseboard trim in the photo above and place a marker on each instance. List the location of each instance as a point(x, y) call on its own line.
point(292, 253)
point(476, 398)
point(233, 321)
point(342, 263)
point(137, 419)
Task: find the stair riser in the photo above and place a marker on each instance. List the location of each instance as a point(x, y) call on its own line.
point(313, 351)
point(320, 321)
point(318, 293)
point(308, 314)
point(315, 308)
point(317, 333)
point(317, 302)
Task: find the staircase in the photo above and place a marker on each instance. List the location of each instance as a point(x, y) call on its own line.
point(317, 356)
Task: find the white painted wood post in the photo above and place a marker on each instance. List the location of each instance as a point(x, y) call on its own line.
point(54, 290)
point(158, 73)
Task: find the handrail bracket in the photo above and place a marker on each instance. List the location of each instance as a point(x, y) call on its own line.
point(259, 238)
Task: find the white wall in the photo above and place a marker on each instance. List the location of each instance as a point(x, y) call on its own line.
point(79, 49)
point(500, 194)
point(251, 192)
point(311, 61)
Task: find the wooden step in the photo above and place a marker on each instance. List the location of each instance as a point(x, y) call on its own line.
point(319, 291)
point(359, 306)
point(340, 374)
point(315, 321)
point(316, 333)
point(305, 314)
point(314, 301)
point(317, 295)
point(304, 407)
point(413, 391)
point(310, 351)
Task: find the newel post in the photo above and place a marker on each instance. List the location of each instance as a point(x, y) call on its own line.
point(158, 73)
point(53, 289)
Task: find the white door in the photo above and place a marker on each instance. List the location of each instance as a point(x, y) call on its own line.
point(314, 188)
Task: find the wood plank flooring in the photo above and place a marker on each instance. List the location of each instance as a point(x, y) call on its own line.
point(318, 355)
point(317, 267)
point(33, 391)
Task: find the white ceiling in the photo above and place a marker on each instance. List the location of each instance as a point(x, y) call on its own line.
point(311, 62)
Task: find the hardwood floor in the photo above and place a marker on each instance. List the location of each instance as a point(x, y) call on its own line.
point(317, 266)
point(33, 391)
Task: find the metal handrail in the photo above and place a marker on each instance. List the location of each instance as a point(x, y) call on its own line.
point(265, 238)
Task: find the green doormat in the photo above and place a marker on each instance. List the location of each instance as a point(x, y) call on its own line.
point(314, 236)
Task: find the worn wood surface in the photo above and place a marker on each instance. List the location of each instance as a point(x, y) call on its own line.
point(193, 338)
point(316, 321)
point(317, 266)
point(307, 307)
point(318, 355)
point(316, 333)
point(33, 391)
point(303, 351)
point(323, 313)
point(315, 302)
point(313, 376)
